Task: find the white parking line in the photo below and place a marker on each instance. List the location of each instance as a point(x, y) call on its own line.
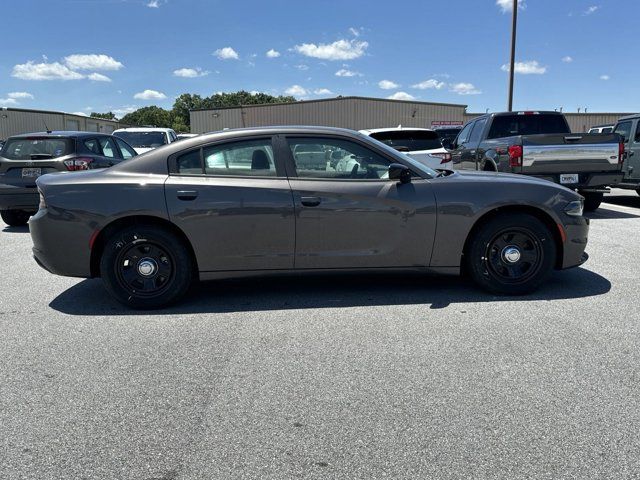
point(624, 208)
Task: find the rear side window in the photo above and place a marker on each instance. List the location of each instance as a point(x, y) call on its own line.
point(36, 148)
point(108, 147)
point(127, 151)
point(409, 140)
point(249, 158)
point(189, 163)
point(92, 146)
point(511, 125)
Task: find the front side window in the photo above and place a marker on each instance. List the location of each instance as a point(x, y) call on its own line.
point(108, 147)
point(247, 158)
point(476, 133)
point(637, 135)
point(624, 130)
point(463, 136)
point(336, 159)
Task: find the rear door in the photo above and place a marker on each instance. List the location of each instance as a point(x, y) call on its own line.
point(628, 130)
point(233, 201)
point(350, 215)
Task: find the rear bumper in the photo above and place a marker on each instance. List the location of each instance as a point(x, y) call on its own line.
point(18, 198)
point(585, 180)
point(577, 235)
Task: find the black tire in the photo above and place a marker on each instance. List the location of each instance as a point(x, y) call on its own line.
point(134, 250)
point(486, 257)
point(15, 218)
point(592, 200)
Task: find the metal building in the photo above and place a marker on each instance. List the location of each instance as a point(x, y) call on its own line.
point(15, 121)
point(348, 112)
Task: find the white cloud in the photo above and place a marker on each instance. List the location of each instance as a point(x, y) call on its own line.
point(81, 114)
point(272, 53)
point(302, 67)
point(44, 71)
point(5, 102)
point(98, 77)
point(226, 53)
point(338, 50)
point(190, 72)
point(343, 72)
point(387, 84)
point(153, 4)
point(150, 95)
point(322, 91)
point(92, 62)
point(507, 5)
point(296, 91)
point(122, 111)
point(605, 77)
point(567, 59)
point(354, 31)
point(464, 89)
point(592, 9)
point(531, 67)
point(16, 95)
point(429, 84)
point(401, 96)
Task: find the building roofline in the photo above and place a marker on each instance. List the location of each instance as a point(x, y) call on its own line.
point(334, 99)
point(53, 112)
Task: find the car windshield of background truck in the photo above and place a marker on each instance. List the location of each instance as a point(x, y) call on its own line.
point(510, 125)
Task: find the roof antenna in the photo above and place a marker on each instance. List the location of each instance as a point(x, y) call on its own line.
point(45, 126)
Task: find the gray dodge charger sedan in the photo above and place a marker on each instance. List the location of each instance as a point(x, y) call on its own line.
point(298, 199)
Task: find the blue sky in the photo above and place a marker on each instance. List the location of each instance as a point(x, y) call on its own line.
point(100, 55)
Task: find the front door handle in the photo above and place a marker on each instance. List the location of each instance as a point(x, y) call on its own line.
point(187, 194)
point(310, 201)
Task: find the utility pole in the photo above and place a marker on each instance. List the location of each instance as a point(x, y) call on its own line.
point(513, 53)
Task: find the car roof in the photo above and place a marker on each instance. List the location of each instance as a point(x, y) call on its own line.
point(393, 129)
point(629, 117)
point(62, 134)
point(143, 129)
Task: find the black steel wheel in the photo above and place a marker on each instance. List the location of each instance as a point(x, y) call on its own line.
point(146, 267)
point(511, 254)
point(15, 218)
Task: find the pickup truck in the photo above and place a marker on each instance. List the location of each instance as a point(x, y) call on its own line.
point(629, 130)
point(541, 144)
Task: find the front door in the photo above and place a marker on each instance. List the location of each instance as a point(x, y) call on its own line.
point(633, 159)
point(461, 156)
point(234, 203)
point(349, 214)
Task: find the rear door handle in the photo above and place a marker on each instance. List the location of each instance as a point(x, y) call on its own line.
point(310, 201)
point(187, 194)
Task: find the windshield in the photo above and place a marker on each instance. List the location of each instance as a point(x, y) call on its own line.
point(36, 148)
point(409, 140)
point(511, 125)
point(414, 164)
point(143, 139)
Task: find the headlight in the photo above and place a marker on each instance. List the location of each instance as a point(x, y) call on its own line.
point(574, 208)
point(42, 205)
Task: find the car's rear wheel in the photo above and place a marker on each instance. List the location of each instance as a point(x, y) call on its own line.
point(146, 267)
point(511, 254)
point(592, 200)
point(15, 218)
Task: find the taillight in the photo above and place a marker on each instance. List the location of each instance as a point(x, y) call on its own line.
point(444, 157)
point(515, 155)
point(80, 163)
point(621, 152)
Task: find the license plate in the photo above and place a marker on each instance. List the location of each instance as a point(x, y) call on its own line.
point(567, 178)
point(31, 172)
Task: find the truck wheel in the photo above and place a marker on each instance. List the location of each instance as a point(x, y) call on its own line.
point(592, 200)
point(511, 254)
point(146, 267)
point(15, 218)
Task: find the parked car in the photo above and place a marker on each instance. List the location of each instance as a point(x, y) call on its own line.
point(601, 129)
point(422, 144)
point(143, 139)
point(541, 144)
point(448, 132)
point(629, 130)
point(241, 202)
point(184, 136)
point(24, 158)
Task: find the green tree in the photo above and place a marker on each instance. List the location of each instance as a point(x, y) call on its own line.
point(153, 115)
point(106, 116)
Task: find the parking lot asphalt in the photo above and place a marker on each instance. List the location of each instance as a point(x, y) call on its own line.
point(327, 377)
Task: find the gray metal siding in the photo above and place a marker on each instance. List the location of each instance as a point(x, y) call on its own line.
point(16, 122)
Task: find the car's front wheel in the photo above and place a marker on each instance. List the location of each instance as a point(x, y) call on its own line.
point(15, 218)
point(146, 267)
point(511, 254)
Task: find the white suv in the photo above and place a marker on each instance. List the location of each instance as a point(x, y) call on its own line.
point(143, 139)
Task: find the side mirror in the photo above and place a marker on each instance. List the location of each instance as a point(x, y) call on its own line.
point(447, 143)
point(399, 172)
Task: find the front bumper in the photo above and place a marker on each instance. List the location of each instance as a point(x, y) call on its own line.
point(18, 198)
point(576, 237)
